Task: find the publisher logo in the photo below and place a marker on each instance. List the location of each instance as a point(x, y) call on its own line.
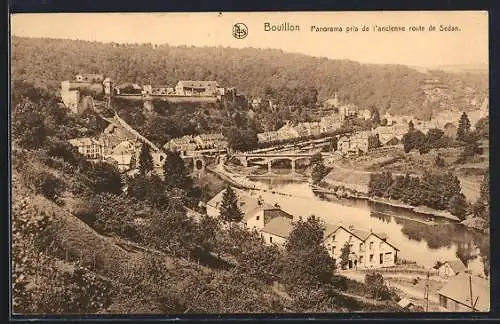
point(240, 31)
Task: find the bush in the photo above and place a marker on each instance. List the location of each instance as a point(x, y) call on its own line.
point(45, 183)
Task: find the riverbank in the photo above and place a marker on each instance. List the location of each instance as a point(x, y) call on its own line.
point(356, 191)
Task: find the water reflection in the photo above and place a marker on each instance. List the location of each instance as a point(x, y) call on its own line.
point(418, 240)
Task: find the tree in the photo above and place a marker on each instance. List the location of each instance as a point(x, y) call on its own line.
point(375, 115)
point(439, 161)
point(318, 172)
point(481, 207)
point(28, 127)
point(376, 285)
point(208, 231)
point(307, 262)
point(145, 160)
point(229, 209)
point(463, 127)
point(411, 126)
point(316, 158)
point(345, 252)
point(457, 205)
point(379, 183)
point(471, 147)
point(137, 187)
point(104, 177)
point(176, 173)
point(482, 128)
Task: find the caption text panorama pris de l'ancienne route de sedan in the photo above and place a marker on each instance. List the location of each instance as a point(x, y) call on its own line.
point(290, 27)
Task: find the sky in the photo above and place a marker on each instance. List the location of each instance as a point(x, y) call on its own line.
point(467, 46)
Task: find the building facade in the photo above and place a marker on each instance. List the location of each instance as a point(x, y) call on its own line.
point(89, 147)
point(451, 268)
point(197, 88)
point(368, 250)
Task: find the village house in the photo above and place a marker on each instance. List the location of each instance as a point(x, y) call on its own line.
point(348, 110)
point(185, 145)
point(390, 119)
point(451, 268)
point(330, 123)
point(211, 141)
point(122, 154)
point(197, 88)
point(89, 147)
point(308, 129)
point(368, 250)
point(89, 77)
point(277, 229)
point(465, 293)
point(287, 131)
point(365, 114)
point(254, 209)
point(390, 134)
point(355, 144)
point(159, 90)
point(284, 133)
point(266, 137)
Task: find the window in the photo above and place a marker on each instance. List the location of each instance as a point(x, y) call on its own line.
point(371, 246)
point(381, 246)
point(443, 301)
point(350, 238)
point(361, 247)
point(371, 258)
point(270, 239)
point(333, 238)
point(258, 217)
point(381, 258)
point(361, 259)
point(333, 249)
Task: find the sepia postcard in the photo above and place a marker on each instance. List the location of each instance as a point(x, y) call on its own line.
point(249, 162)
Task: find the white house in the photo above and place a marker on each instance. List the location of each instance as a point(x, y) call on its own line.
point(451, 268)
point(367, 249)
point(253, 207)
point(276, 231)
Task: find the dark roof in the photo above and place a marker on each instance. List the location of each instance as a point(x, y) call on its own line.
point(456, 265)
point(279, 226)
point(459, 287)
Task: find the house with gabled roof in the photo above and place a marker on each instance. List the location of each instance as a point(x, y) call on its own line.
point(451, 268)
point(368, 249)
point(465, 293)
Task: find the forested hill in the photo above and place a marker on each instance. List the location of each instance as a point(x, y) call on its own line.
point(45, 62)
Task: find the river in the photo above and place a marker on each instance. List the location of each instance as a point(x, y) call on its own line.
point(423, 243)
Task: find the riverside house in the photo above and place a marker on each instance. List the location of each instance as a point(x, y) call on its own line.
point(368, 250)
point(451, 268)
point(252, 206)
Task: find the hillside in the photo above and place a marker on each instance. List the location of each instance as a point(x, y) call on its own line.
point(397, 88)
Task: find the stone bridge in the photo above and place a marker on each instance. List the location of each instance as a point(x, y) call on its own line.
point(268, 158)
